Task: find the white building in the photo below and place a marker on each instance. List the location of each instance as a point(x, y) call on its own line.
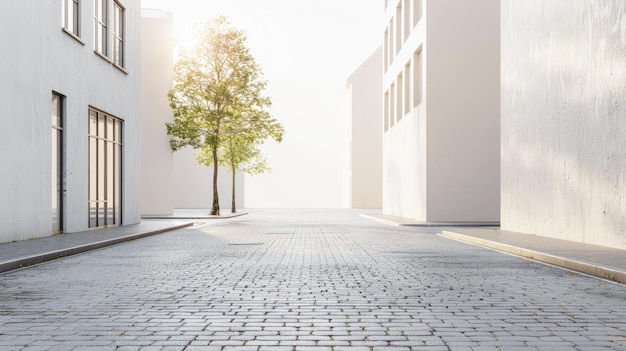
point(70, 81)
point(563, 120)
point(171, 180)
point(157, 60)
point(366, 148)
point(441, 110)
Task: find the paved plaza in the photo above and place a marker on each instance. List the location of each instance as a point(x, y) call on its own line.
point(306, 280)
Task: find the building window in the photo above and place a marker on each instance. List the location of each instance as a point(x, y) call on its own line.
point(386, 111)
point(392, 94)
point(398, 27)
point(105, 167)
point(391, 29)
point(118, 34)
point(407, 88)
point(417, 12)
point(71, 18)
point(399, 98)
point(57, 163)
point(407, 18)
point(417, 77)
point(101, 15)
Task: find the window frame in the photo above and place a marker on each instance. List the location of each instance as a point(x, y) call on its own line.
point(119, 33)
point(75, 29)
point(101, 28)
point(105, 184)
point(58, 177)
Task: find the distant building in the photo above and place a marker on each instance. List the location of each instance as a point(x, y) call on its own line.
point(441, 110)
point(157, 61)
point(171, 180)
point(70, 82)
point(366, 133)
point(563, 120)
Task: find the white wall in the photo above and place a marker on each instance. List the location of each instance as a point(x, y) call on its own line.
point(193, 184)
point(38, 58)
point(441, 160)
point(366, 133)
point(463, 110)
point(404, 167)
point(157, 61)
point(563, 125)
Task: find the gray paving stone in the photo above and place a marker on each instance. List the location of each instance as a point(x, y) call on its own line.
point(338, 282)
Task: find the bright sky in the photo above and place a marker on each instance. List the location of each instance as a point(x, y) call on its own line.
point(306, 49)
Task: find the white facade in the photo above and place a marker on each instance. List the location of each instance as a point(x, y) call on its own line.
point(563, 120)
point(157, 61)
point(193, 184)
point(441, 110)
point(41, 58)
point(366, 149)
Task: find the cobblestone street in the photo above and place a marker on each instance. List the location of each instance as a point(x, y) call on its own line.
point(306, 280)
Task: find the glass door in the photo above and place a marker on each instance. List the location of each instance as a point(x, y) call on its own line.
point(57, 163)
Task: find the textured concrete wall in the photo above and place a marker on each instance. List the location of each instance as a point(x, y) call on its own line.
point(563, 119)
point(38, 58)
point(157, 60)
point(367, 132)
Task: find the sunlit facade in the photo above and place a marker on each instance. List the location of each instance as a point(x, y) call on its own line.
point(563, 120)
point(441, 110)
point(70, 78)
point(366, 144)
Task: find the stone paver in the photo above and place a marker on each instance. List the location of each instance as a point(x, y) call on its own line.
point(306, 280)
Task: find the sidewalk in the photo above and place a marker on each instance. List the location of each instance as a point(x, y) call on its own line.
point(600, 261)
point(15, 255)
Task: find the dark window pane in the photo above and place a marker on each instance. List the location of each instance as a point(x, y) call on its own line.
point(93, 215)
point(101, 165)
point(93, 169)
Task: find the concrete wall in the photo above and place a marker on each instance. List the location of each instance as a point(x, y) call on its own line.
point(441, 159)
point(38, 58)
point(404, 167)
point(563, 125)
point(404, 144)
point(366, 133)
point(157, 60)
point(193, 184)
point(462, 86)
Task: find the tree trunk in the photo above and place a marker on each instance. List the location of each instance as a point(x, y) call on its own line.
point(215, 210)
point(233, 208)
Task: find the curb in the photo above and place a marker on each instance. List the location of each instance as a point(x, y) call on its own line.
point(407, 222)
point(54, 255)
point(232, 215)
point(575, 265)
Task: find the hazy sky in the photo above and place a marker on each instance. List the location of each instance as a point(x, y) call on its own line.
point(306, 49)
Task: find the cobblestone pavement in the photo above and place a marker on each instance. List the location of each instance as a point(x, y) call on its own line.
point(306, 280)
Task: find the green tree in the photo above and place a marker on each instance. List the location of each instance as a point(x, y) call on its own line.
point(240, 151)
point(217, 89)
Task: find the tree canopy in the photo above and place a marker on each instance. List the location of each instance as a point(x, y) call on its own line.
point(217, 100)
